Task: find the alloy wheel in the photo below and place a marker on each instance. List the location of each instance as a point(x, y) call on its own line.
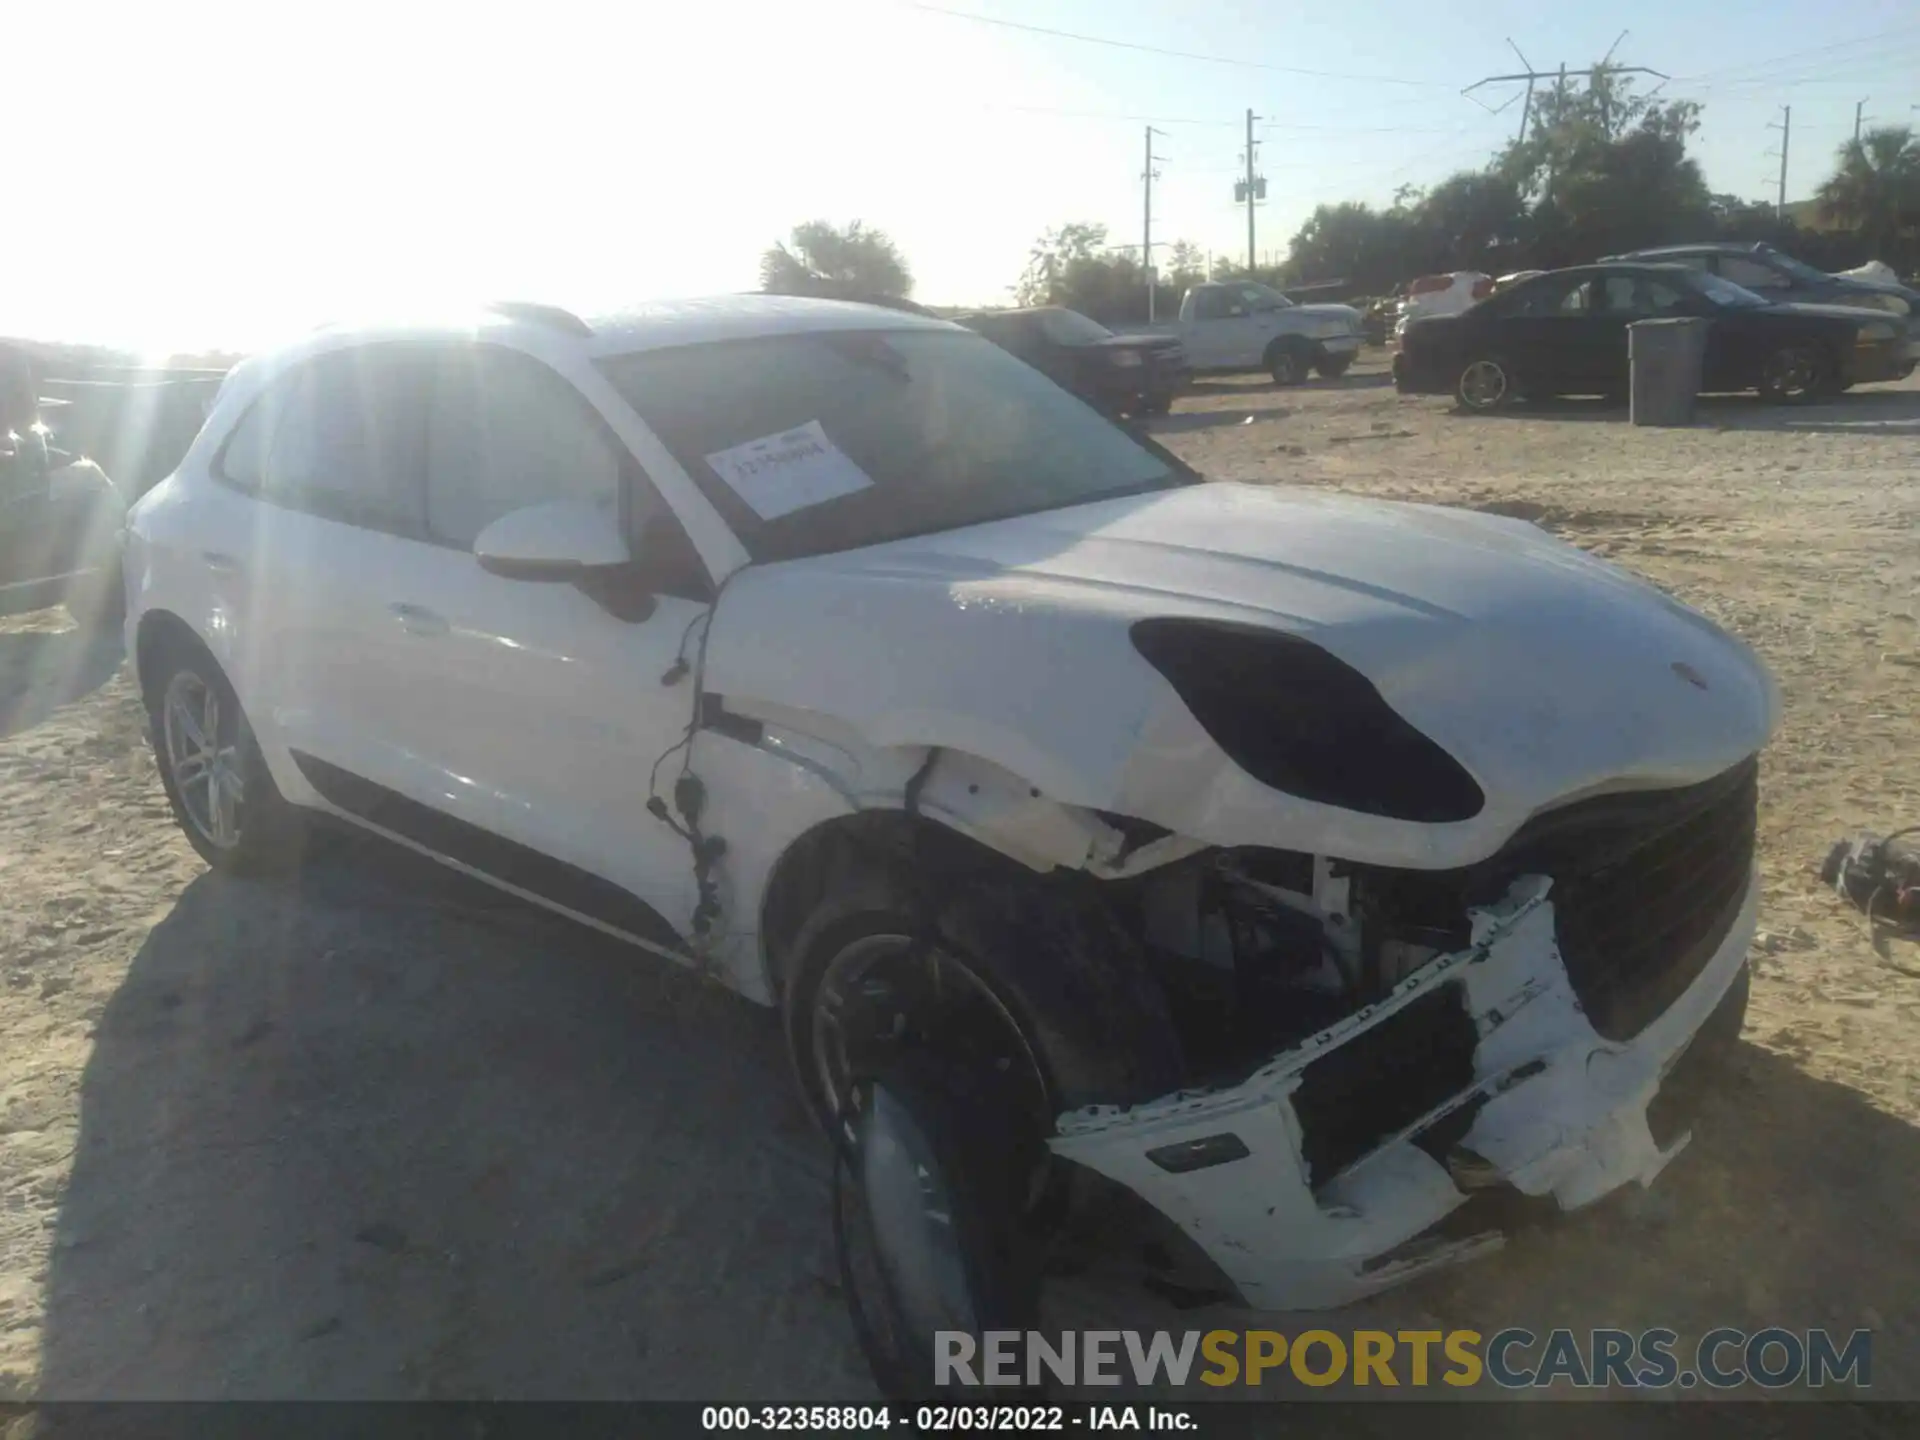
point(203, 757)
point(885, 992)
point(1791, 373)
point(1483, 385)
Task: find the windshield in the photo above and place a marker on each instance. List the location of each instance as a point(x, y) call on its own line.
point(830, 440)
point(1799, 269)
point(1070, 327)
point(1261, 297)
point(1724, 292)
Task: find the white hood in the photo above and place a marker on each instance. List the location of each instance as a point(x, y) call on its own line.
point(1548, 674)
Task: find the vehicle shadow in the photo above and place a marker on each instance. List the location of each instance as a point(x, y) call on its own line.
point(382, 1132)
point(42, 670)
point(1892, 413)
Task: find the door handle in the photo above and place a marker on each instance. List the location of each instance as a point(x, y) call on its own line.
point(219, 562)
point(418, 620)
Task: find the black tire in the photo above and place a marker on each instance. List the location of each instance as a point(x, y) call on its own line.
point(1794, 374)
point(1486, 383)
point(1332, 367)
point(255, 832)
point(980, 1263)
point(1158, 405)
point(1040, 974)
point(1288, 362)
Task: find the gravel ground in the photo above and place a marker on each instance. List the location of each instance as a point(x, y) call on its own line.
point(383, 1133)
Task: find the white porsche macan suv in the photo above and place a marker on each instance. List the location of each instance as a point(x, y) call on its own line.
point(1312, 867)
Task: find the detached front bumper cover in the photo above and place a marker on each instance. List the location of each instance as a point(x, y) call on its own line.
point(1556, 1110)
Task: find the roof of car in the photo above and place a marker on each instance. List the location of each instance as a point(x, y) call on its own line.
point(1702, 247)
point(657, 324)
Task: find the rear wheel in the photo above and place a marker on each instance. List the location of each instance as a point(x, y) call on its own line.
point(1793, 374)
point(212, 770)
point(1486, 384)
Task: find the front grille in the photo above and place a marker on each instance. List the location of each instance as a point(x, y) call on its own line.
point(1384, 1079)
point(1645, 888)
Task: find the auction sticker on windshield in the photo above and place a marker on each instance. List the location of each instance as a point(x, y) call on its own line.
point(796, 469)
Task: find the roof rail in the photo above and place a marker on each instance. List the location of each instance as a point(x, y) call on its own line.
point(533, 313)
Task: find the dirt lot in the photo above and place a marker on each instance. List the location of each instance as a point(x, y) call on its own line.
point(383, 1133)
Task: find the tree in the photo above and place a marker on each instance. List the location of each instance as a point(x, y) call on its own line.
point(1606, 169)
point(822, 256)
point(1186, 267)
point(1053, 255)
point(1875, 189)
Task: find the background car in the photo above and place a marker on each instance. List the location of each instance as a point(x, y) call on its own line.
point(1233, 326)
point(1778, 276)
point(1565, 333)
point(1118, 374)
point(1447, 294)
point(60, 517)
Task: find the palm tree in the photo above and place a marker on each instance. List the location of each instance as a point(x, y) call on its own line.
point(1876, 188)
point(820, 258)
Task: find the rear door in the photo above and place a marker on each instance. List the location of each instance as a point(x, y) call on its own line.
point(1552, 333)
point(333, 452)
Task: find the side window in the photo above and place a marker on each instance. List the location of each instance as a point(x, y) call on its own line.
point(1212, 304)
point(1619, 295)
point(1692, 262)
point(1578, 300)
point(341, 440)
point(1659, 298)
point(1752, 274)
point(242, 461)
point(505, 432)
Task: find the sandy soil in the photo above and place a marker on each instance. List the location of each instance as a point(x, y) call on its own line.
point(382, 1133)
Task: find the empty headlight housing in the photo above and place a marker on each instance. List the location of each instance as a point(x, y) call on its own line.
point(1302, 721)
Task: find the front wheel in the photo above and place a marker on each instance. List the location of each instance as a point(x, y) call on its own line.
point(1332, 367)
point(212, 770)
point(1288, 366)
point(1793, 374)
point(1486, 384)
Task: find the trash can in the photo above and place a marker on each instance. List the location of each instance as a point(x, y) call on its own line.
point(1664, 357)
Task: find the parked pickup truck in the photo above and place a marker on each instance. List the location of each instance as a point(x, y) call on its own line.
point(1239, 325)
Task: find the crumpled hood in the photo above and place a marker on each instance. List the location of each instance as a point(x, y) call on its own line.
point(1547, 673)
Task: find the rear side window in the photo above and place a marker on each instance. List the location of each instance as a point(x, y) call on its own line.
point(339, 437)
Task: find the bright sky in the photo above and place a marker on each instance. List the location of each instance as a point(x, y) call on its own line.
point(208, 175)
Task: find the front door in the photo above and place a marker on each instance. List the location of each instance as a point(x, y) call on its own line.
point(534, 693)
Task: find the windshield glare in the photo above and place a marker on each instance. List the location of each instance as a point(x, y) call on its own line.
point(1070, 327)
point(1724, 292)
point(1799, 269)
point(831, 440)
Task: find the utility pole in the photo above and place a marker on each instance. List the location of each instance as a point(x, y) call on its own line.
point(1146, 230)
point(1858, 106)
point(1526, 105)
point(1560, 78)
point(1250, 189)
point(1785, 127)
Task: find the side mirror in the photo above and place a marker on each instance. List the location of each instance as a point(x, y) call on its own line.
point(562, 540)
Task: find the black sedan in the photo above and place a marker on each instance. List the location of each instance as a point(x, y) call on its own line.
point(1119, 374)
point(1565, 333)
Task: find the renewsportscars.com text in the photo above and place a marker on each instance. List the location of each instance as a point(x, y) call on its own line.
point(1512, 1359)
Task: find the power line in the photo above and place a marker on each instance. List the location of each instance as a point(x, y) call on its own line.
point(1798, 54)
point(1161, 50)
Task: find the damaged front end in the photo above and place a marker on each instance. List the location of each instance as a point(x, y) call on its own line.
point(1383, 1045)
